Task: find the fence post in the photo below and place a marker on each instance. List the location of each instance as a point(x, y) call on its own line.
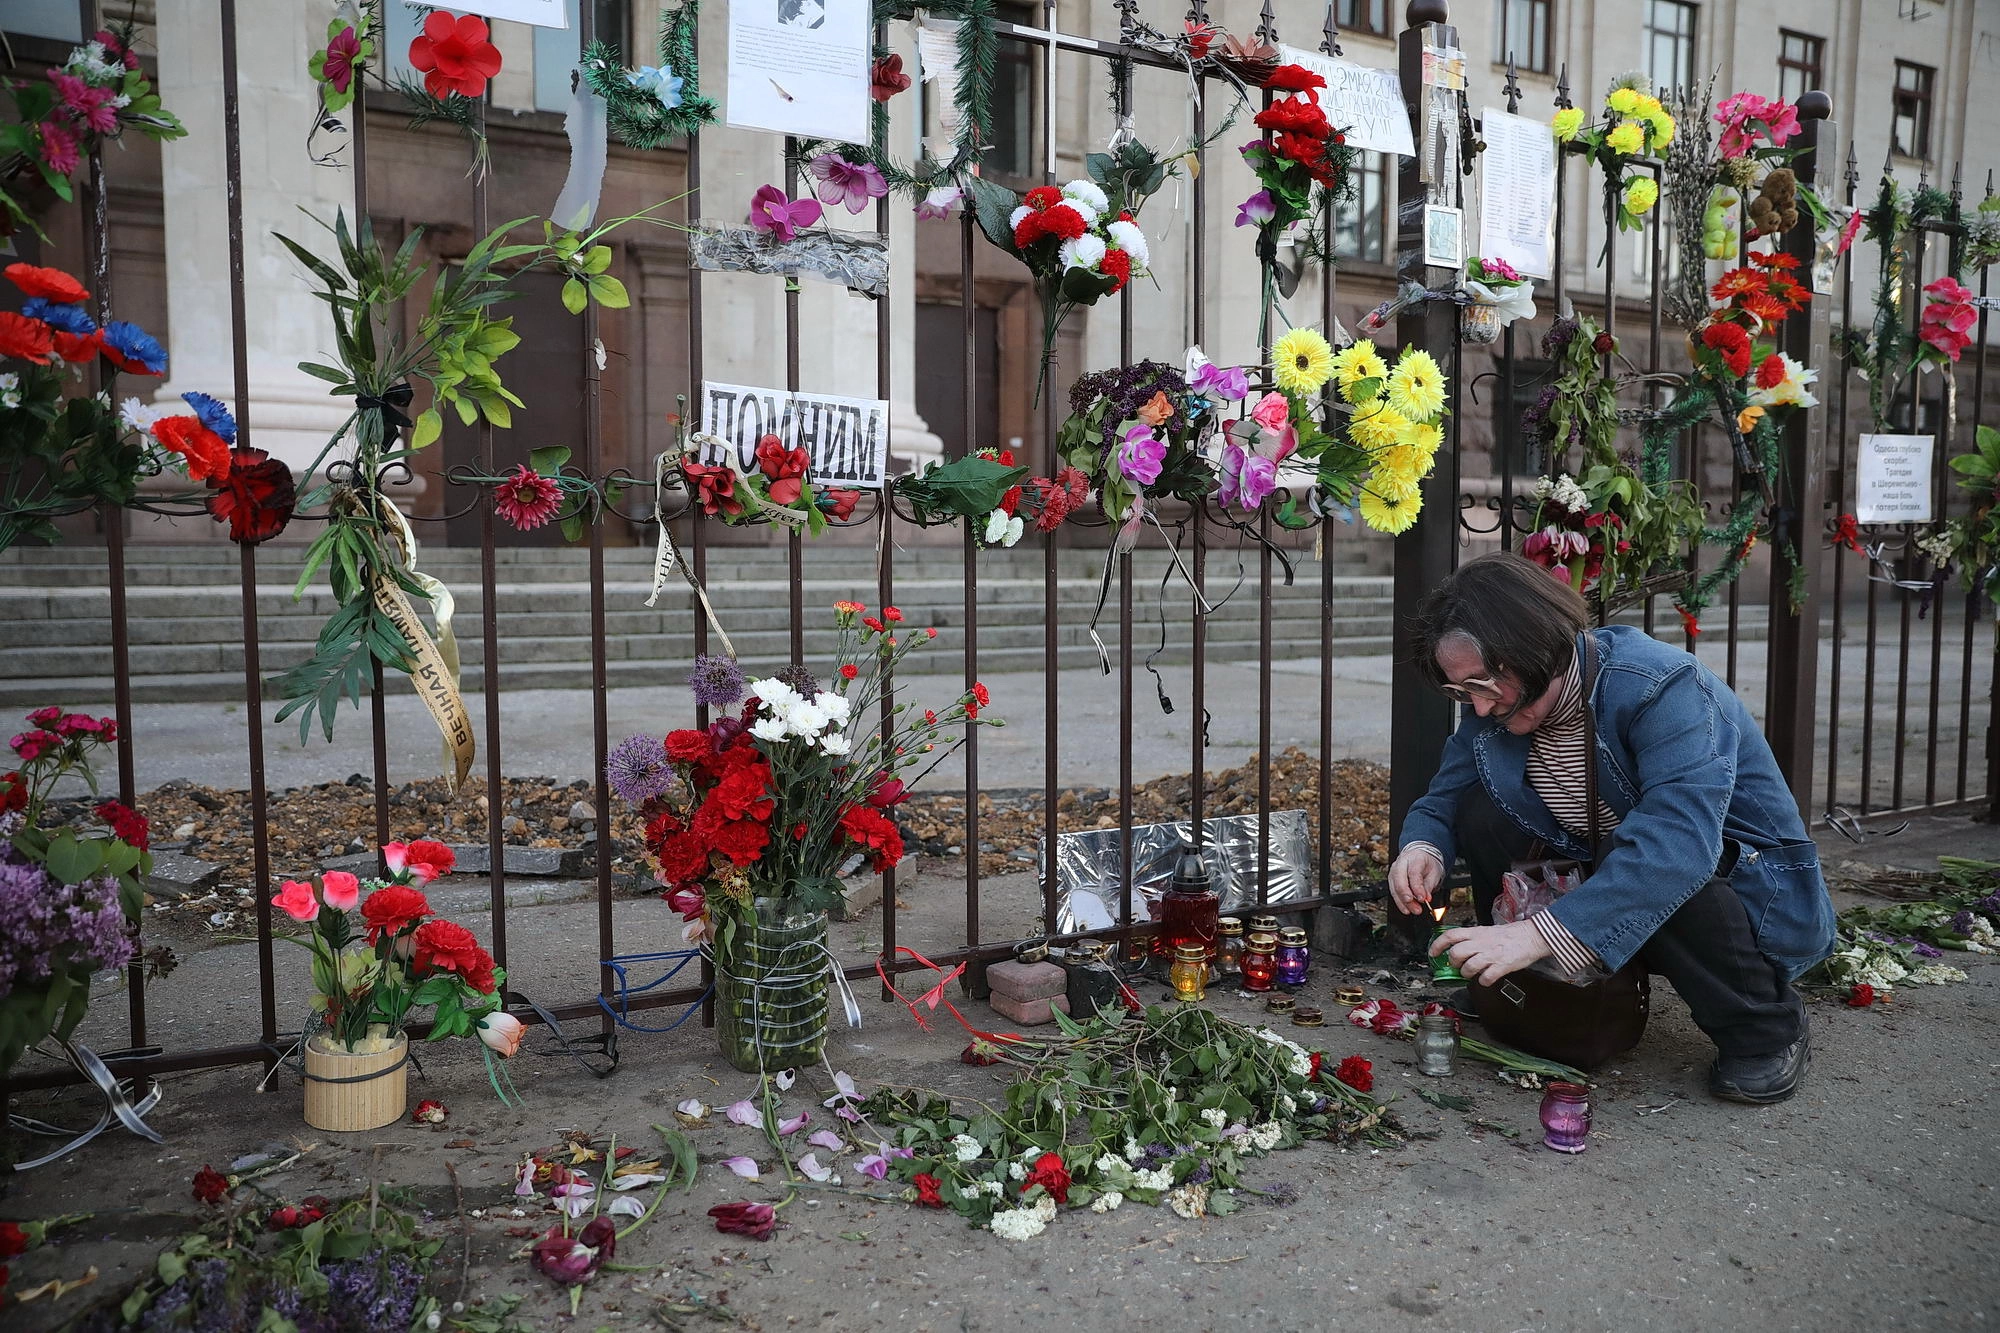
point(1791, 678)
point(1420, 719)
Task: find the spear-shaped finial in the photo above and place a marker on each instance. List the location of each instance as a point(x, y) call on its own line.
point(1957, 190)
point(1329, 33)
point(1853, 173)
point(1513, 88)
point(1562, 87)
point(1267, 25)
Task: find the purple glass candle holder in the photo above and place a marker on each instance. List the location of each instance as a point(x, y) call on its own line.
point(1566, 1117)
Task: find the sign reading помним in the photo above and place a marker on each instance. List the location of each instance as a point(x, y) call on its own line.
point(847, 439)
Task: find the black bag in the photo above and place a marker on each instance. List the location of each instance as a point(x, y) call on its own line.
point(1577, 1024)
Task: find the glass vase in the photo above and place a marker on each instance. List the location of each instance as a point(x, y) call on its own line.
point(1566, 1117)
point(770, 993)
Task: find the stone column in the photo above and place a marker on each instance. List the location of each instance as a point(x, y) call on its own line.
point(290, 414)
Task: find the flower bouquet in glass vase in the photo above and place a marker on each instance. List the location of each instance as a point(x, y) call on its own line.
point(750, 821)
point(380, 953)
point(69, 891)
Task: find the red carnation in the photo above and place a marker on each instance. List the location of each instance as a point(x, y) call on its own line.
point(446, 946)
point(689, 747)
point(392, 909)
point(1041, 197)
point(755, 1220)
point(744, 794)
point(426, 860)
point(1861, 996)
point(210, 1185)
point(1771, 371)
point(13, 1240)
point(13, 793)
point(1050, 1173)
point(1293, 79)
point(1064, 223)
point(255, 498)
point(127, 824)
point(1356, 1073)
point(1312, 1075)
point(1118, 265)
point(849, 671)
point(873, 831)
point(927, 1190)
point(683, 859)
point(1731, 343)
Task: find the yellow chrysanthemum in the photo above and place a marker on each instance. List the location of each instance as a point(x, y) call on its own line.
point(1388, 510)
point(1627, 136)
point(1356, 363)
point(1624, 101)
point(1401, 460)
point(1378, 426)
point(1646, 108)
point(1641, 193)
point(1416, 385)
point(1302, 362)
point(1567, 122)
point(1663, 129)
point(1425, 441)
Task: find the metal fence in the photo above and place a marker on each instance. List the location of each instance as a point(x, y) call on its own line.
point(1816, 455)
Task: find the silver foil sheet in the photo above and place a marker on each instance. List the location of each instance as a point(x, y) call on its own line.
point(1089, 867)
point(857, 260)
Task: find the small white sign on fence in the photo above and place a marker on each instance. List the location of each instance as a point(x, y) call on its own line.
point(846, 438)
point(1893, 483)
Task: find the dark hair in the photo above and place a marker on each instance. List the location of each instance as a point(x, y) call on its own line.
point(1522, 620)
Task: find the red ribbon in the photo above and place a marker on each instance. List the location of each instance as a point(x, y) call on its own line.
point(933, 997)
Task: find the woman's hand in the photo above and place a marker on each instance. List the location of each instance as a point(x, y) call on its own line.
point(1487, 953)
point(1413, 878)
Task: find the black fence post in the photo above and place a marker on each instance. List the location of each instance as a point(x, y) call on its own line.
point(1420, 720)
point(1791, 677)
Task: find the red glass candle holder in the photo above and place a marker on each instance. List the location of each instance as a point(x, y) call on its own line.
point(1260, 963)
point(1566, 1117)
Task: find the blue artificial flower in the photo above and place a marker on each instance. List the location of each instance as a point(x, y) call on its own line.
point(660, 82)
point(212, 413)
point(61, 318)
point(132, 348)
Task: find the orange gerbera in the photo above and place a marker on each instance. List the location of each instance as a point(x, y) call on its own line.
point(1737, 282)
point(1768, 309)
point(1776, 260)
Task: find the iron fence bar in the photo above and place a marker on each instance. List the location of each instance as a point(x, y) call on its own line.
point(1051, 661)
point(1329, 45)
point(1974, 596)
point(1836, 426)
point(697, 530)
point(1941, 473)
point(795, 546)
point(1198, 542)
point(489, 627)
point(969, 554)
point(253, 667)
point(1868, 697)
point(885, 572)
point(378, 717)
point(1656, 277)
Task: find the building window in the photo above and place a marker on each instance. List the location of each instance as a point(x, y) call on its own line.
point(1360, 222)
point(556, 50)
point(1913, 108)
point(1799, 60)
point(1011, 138)
point(1669, 43)
point(1365, 16)
point(1521, 34)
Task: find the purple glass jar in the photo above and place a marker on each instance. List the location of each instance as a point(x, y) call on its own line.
point(1294, 956)
point(1566, 1117)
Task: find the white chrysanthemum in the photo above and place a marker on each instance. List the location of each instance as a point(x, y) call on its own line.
point(1158, 1179)
point(1190, 1201)
point(837, 707)
point(805, 719)
point(1086, 192)
point(1018, 1224)
point(1106, 1202)
point(1108, 1163)
point(834, 743)
point(1216, 1116)
point(1132, 241)
point(1014, 218)
point(778, 697)
point(966, 1147)
point(770, 729)
point(1085, 252)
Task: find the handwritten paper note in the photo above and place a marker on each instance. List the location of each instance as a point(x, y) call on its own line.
point(1893, 481)
point(1366, 104)
point(1517, 200)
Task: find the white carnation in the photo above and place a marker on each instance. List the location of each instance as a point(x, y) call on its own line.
point(777, 696)
point(1087, 193)
point(770, 729)
point(837, 707)
point(1085, 252)
point(966, 1147)
point(1132, 241)
point(834, 743)
point(1014, 218)
point(1019, 1224)
point(1106, 1202)
point(805, 719)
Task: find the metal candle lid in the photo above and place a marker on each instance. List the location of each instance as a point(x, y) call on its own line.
point(1086, 951)
point(1229, 925)
point(1292, 935)
point(1190, 953)
point(1306, 1016)
point(1031, 951)
point(1350, 996)
point(1279, 1004)
point(1262, 942)
point(1264, 923)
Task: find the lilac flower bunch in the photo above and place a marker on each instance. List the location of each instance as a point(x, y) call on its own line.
point(46, 926)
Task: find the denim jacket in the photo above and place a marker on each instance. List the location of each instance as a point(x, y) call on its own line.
point(1686, 768)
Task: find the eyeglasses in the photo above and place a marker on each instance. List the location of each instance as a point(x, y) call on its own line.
point(1475, 687)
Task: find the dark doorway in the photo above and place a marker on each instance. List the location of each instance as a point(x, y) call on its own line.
point(941, 392)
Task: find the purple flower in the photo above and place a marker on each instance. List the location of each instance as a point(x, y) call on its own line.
point(772, 212)
point(1230, 385)
point(939, 203)
point(1961, 923)
point(1257, 210)
point(1922, 950)
point(842, 182)
point(716, 681)
point(1247, 478)
point(874, 1166)
point(46, 925)
point(1142, 455)
point(1257, 154)
point(638, 769)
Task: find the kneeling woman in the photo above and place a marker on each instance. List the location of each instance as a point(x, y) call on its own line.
point(1706, 875)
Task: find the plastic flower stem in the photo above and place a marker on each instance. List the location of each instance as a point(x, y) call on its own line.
point(1519, 1061)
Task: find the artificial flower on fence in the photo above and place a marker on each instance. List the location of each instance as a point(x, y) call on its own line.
point(1082, 242)
point(991, 492)
point(1302, 163)
point(775, 486)
point(94, 97)
point(1495, 286)
point(61, 454)
point(648, 106)
point(1975, 536)
point(70, 893)
point(1632, 125)
point(1387, 424)
point(1140, 432)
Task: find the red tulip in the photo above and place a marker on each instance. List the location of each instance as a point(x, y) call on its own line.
point(755, 1220)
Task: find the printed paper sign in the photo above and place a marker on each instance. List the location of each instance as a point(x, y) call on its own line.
point(1366, 104)
point(541, 13)
point(846, 438)
point(1893, 484)
point(1517, 195)
point(800, 67)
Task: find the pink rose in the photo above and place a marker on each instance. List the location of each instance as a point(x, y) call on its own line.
point(295, 898)
point(1272, 411)
point(340, 889)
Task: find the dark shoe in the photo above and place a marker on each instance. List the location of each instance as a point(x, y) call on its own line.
point(1461, 1003)
point(1760, 1080)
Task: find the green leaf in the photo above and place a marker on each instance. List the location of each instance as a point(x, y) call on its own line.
point(574, 297)
point(608, 292)
point(430, 425)
point(72, 861)
point(549, 459)
point(331, 374)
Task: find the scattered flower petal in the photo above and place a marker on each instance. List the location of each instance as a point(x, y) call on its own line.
point(743, 1166)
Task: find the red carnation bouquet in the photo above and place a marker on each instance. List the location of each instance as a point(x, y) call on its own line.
point(752, 820)
point(379, 952)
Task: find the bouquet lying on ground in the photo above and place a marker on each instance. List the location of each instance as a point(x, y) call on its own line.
point(379, 952)
point(68, 895)
point(761, 811)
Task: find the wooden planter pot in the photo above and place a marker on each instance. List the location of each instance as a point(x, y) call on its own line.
point(348, 1091)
